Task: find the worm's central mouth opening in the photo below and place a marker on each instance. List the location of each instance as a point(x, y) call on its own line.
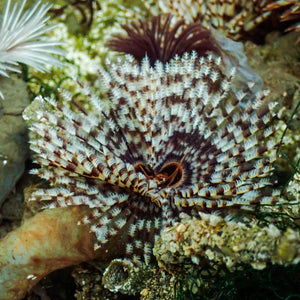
point(170, 175)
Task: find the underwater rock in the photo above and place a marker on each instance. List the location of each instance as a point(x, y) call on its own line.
point(215, 241)
point(89, 285)
point(13, 134)
point(48, 241)
point(277, 62)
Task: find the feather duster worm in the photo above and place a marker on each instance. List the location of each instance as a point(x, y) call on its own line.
point(292, 13)
point(160, 39)
point(172, 138)
point(21, 41)
point(234, 17)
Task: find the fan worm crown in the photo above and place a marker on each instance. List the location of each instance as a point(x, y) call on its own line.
point(172, 138)
point(160, 39)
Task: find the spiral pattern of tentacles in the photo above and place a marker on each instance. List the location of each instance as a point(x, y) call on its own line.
point(170, 138)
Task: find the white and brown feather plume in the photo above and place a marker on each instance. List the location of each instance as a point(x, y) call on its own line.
point(171, 138)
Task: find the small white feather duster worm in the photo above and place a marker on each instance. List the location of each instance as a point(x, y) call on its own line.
point(21, 39)
point(173, 138)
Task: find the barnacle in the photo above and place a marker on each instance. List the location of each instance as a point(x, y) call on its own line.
point(119, 278)
point(172, 138)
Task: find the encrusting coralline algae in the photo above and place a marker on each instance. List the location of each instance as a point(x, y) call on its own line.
point(213, 240)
